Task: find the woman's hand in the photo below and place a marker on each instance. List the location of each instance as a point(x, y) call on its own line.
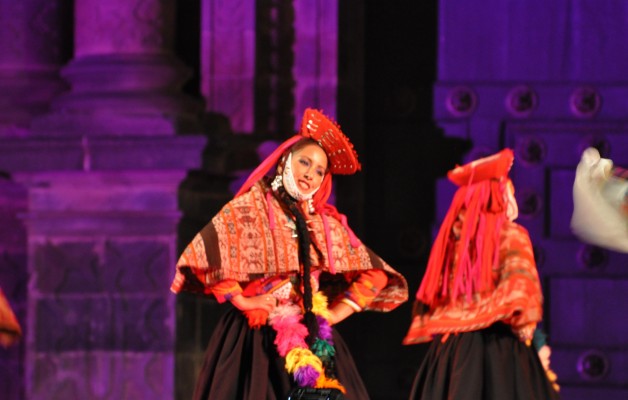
point(264, 302)
point(339, 312)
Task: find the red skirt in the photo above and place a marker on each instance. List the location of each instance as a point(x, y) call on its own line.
point(243, 363)
point(489, 364)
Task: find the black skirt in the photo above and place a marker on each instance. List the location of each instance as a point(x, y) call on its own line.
point(243, 364)
point(490, 364)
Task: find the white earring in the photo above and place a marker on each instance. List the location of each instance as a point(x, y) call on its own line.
point(310, 205)
point(276, 183)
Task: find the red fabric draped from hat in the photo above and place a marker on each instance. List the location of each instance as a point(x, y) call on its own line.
point(341, 155)
point(481, 196)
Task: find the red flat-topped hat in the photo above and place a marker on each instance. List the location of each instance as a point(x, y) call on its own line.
point(495, 166)
point(343, 159)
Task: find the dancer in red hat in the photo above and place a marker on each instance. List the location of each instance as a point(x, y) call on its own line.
point(480, 299)
point(292, 268)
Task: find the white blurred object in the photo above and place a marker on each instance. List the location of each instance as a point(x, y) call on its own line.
point(544, 355)
point(598, 198)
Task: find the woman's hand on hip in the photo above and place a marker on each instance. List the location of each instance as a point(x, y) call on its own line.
point(262, 302)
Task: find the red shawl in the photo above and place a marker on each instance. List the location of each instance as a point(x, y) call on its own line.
point(515, 300)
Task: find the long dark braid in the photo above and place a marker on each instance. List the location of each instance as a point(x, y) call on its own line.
point(304, 240)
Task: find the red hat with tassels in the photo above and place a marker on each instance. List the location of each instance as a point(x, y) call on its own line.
point(483, 199)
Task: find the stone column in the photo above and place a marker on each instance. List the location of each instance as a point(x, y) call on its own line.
point(101, 174)
point(101, 220)
point(34, 43)
point(316, 56)
point(13, 281)
point(261, 57)
point(124, 78)
point(101, 249)
point(228, 60)
point(33, 46)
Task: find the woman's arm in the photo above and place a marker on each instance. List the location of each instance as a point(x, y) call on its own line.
point(362, 291)
point(231, 290)
point(264, 302)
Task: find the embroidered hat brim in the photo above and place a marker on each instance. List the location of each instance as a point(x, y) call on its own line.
point(343, 158)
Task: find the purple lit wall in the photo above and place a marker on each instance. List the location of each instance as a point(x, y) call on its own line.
point(90, 185)
point(124, 123)
point(98, 138)
point(548, 80)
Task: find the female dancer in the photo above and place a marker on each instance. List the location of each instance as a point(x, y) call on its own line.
point(292, 268)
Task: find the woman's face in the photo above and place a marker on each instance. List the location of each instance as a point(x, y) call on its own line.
point(309, 165)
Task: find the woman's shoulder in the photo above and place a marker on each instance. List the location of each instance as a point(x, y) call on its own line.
point(516, 236)
point(513, 227)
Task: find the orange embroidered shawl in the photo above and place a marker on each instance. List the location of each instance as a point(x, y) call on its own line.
point(516, 299)
point(239, 244)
